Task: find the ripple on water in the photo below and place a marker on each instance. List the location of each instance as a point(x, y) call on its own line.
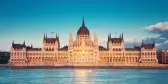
point(83, 76)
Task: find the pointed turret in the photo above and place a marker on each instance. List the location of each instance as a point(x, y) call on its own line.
point(12, 43)
point(95, 38)
point(110, 35)
point(58, 41)
point(83, 22)
point(56, 36)
point(44, 37)
point(70, 39)
point(122, 36)
point(24, 43)
point(153, 42)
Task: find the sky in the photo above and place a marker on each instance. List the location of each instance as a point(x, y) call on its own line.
point(29, 19)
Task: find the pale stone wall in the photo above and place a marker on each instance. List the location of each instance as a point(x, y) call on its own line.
point(17, 57)
point(148, 56)
point(82, 52)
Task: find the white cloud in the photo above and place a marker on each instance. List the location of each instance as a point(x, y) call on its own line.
point(161, 26)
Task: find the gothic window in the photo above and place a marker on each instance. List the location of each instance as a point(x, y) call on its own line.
point(153, 53)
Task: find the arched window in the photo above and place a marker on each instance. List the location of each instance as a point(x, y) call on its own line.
point(153, 53)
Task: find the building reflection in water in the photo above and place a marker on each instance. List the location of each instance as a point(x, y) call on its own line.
point(82, 76)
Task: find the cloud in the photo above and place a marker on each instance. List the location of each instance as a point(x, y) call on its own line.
point(160, 26)
point(160, 29)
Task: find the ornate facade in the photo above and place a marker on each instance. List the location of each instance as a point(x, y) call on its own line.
point(164, 56)
point(83, 51)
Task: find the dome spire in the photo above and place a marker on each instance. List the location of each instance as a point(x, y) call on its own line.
point(83, 29)
point(83, 22)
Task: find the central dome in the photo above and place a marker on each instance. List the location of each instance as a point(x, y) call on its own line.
point(83, 30)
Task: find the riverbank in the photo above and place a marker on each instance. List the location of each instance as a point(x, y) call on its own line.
point(90, 67)
point(158, 66)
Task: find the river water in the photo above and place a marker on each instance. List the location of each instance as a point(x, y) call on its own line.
point(83, 76)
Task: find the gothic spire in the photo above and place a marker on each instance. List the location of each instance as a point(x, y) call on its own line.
point(95, 38)
point(56, 36)
point(83, 22)
point(122, 35)
point(70, 36)
point(24, 42)
point(110, 35)
point(142, 42)
point(70, 45)
point(44, 36)
point(13, 43)
point(153, 42)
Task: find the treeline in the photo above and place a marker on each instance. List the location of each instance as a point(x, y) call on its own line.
point(4, 57)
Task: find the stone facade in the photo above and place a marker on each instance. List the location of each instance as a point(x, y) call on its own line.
point(83, 51)
point(164, 56)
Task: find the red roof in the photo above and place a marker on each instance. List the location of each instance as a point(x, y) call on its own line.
point(18, 46)
point(137, 48)
point(33, 49)
point(50, 40)
point(65, 48)
point(133, 49)
point(101, 48)
point(116, 40)
point(148, 46)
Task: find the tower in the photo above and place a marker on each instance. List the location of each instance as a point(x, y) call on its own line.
point(70, 46)
point(95, 39)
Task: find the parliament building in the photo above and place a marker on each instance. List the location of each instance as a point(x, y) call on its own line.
point(82, 51)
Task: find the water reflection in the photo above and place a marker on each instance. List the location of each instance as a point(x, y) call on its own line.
point(82, 76)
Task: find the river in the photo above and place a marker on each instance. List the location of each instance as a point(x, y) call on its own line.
point(83, 76)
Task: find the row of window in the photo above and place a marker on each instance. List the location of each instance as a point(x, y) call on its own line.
point(18, 53)
point(49, 49)
point(152, 53)
point(117, 49)
point(153, 60)
point(82, 59)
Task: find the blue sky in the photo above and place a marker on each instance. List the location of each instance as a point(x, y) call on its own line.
point(29, 19)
